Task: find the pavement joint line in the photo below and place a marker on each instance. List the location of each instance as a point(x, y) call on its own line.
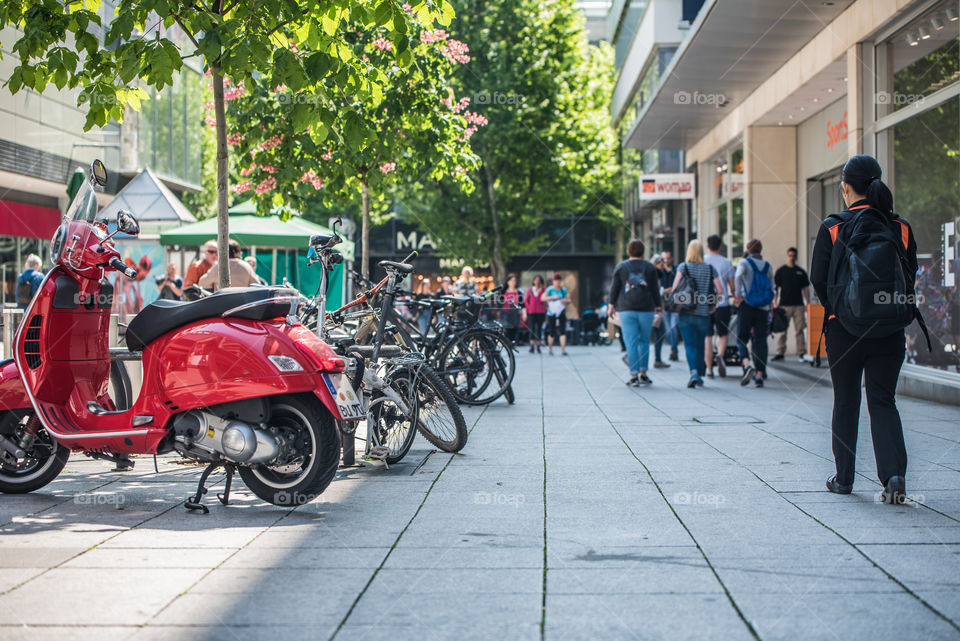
point(853, 545)
point(726, 591)
point(543, 444)
point(209, 572)
point(423, 461)
point(396, 541)
point(57, 504)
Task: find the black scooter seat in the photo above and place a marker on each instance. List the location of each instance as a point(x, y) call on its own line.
point(162, 316)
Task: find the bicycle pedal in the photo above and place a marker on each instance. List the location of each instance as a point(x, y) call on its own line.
point(378, 453)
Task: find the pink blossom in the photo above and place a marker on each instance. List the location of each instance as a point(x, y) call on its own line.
point(266, 185)
point(270, 143)
point(270, 169)
point(455, 51)
point(446, 101)
point(387, 167)
point(279, 88)
point(242, 187)
point(235, 138)
point(210, 120)
point(433, 35)
point(406, 7)
point(461, 105)
point(235, 92)
point(475, 118)
point(312, 178)
point(248, 170)
point(208, 105)
point(469, 131)
point(208, 73)
point(327, 156)
point(382, 44)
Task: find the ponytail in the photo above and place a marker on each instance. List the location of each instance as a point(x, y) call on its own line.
point(879, 196)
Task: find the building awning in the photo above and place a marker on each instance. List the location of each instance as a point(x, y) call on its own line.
point(28, 221)
point(733, 47)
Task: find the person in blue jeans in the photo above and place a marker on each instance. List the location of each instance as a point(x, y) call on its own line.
point(670, 319)
point(659, 329)
point(635, 294)
point(695, 322)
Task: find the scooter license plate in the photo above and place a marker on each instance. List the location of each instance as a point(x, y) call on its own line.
point(348, 402)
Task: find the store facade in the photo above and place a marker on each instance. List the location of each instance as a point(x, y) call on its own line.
point(784, 115)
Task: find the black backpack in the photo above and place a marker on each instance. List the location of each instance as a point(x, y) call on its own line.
point(638, 287)
point(869, 284)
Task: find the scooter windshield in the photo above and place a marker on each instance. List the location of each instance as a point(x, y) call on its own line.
point(84, 204)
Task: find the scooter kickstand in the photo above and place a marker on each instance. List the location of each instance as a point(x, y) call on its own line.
point(193, 503)
point(229, 468)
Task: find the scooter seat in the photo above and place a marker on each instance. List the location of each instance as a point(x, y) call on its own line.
point(162, 316)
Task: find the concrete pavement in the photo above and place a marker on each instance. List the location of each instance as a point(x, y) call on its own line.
point(587, 509)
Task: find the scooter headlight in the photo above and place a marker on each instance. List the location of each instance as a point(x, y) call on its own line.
point(285, 363)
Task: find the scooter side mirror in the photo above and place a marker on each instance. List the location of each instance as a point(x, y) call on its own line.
point(127, 223)
point(98, 173)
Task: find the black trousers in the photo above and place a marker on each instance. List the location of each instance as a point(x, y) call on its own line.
point(878, 361)
point(755, 319)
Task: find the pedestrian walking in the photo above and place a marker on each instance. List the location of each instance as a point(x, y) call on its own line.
point(446, 286)
point(199, 267)
point(635, 295)
point(170, 285)
point(252, 261)
point(720, 318)
point(424, 291)
point(865, 320)
point(511, 308)
point(670, 319)
point(535, 310)
point(698, 301)
point(29, 281)
point(557, 298)
point(659, 325)
point(465, 285)
point(793, 295)
point(754, 293)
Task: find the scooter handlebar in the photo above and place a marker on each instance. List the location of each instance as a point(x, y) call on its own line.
point(121, 267)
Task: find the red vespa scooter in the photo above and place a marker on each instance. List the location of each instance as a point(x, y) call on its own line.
point(233, 379)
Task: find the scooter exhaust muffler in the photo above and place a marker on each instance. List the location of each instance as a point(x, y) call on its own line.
point(236, 440)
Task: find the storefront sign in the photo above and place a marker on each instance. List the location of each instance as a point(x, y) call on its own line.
point(666, 186)
point(837, 131)
point(732, 185)
point(947, 233)
point(413, 240)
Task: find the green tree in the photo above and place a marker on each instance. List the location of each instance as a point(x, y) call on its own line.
point(405, 127)
point(145, 42)
point(548, 149)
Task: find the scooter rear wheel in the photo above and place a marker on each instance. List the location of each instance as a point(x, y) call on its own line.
point(43, 463)
point(309, 424)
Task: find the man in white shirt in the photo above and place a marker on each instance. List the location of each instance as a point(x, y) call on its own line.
point(720, 318)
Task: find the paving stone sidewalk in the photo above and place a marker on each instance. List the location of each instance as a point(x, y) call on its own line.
point(586, 510)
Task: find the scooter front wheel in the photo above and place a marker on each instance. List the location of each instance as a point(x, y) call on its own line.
point(43, 462)
point(312, 462)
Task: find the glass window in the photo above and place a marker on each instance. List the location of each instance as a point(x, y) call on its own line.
point(735, 241)
point(624, 34)
point(920, 59)
point(926, 183)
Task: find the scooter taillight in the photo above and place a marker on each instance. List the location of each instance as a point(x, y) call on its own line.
point(332, 364)
point(328, 362)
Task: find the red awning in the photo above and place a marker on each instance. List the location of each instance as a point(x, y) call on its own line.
point(31, 221)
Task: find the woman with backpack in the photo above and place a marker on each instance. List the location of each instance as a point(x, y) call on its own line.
point(754, 291)
point(635, 294)
point(694, 297)
point(866, 317)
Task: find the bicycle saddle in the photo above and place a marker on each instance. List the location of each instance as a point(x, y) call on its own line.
point(403, 268)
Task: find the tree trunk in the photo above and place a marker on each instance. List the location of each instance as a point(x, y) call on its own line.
point(365, 228)
point(498, 263)
point(619, 242)
point(223, 222)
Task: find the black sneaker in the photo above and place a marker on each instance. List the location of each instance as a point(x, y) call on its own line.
point(692, 382)
point(895, 491)
point(837, 488)
point(633, 382)
point(699, 382)
point(674, 357)
point(721, 368)
point(710, 375)
point(778, 357)
point(747, 375)
point(757, 381)
point(661, 365)
point(645, 380)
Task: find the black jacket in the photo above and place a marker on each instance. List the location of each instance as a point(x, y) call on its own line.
point(823, 247)
point(622, 274)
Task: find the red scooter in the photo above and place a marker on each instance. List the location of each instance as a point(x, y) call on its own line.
point(233, 379)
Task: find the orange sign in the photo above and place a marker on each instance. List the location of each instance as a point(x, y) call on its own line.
point(837, 132)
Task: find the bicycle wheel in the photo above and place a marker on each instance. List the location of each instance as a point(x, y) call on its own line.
point(480, 366)
point(387, 422)
point(440, 420)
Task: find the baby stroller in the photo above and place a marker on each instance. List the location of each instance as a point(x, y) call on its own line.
point(590, 325)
